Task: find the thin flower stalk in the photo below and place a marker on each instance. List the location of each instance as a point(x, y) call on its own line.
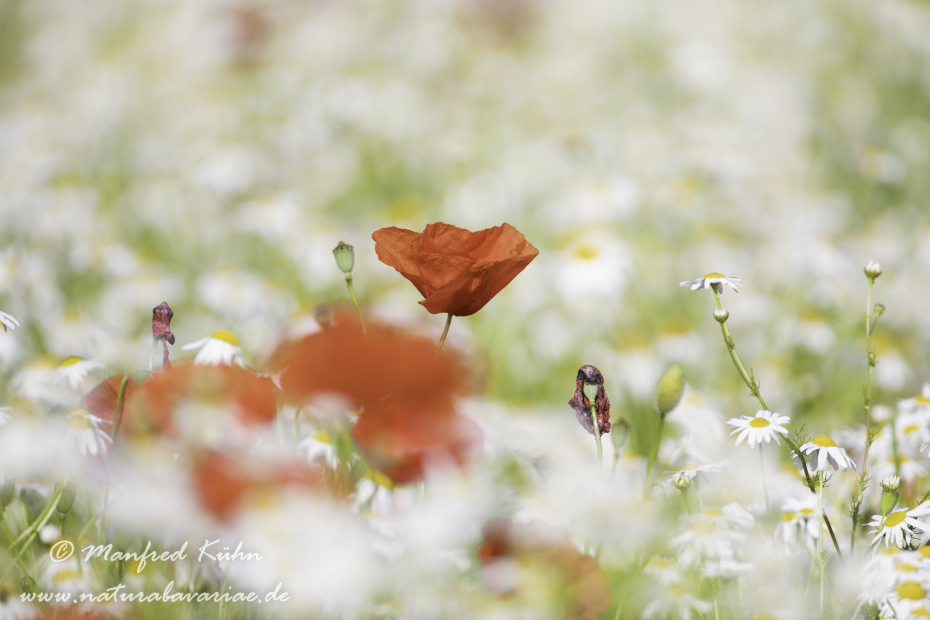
point(445, 332)
point(754, 390)
point(597, 433)
point(863, 476)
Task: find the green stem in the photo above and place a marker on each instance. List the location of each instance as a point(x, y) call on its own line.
point(354, 300)
point(152, 356)
point(653, 456)
point(820, 545)
point(716, 612)
point(445, 332)
point(684, 496)
point(117, 413)
point(765, 488)
point(38, 525)
point(52, 502)
point(597, 434)
point(754, 390)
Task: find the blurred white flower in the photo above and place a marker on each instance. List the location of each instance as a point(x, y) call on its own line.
point(799, 517)
point(689, 472)
point(826, 451)
point(318, 447)
point(900, 525)
point(49, 533)
point(662, 570)
point(675, 601)
point(220, 348)
point(764, 427)
point(84, 435)
point(4, 415)
point(713, 279)
point(918, 404)
point(725, 569)
point(8, 322)
point(701, 537)
point(74, 370)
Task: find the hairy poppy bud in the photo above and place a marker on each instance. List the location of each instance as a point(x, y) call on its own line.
point(345, 257)
point(670, 388)
point(590, 382)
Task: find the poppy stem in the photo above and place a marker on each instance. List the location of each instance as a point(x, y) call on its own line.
point(445, 332)
point(354, 300)
point(597, 436)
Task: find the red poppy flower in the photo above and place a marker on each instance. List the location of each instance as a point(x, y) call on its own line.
point(457, 271)
point(366, 367)
point(252, 398)
point(549, 550)
point(403, 439)
point(101, 401)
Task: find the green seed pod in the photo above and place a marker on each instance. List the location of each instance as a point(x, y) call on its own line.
point(670, 388)
point(345, 257)
point(590, 391)
point(66, 501)
point(879, 310)
point(620, 431)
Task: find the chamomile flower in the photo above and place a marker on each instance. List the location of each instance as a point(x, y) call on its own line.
point(908, 601)
point(675, 601)
point(12, 607)
point(826, 451)
point(900, 525)
point(74, 369)
point(702, 537)
point(318, 447)
point(725, 569)
point(713, 279)
point(4, 415)
point(918, 404)
point(85, 435)
point(220, 348)
point(799, 517)
point(688, 473)
point(766, 426)
point(663, 570)
point(8, 322)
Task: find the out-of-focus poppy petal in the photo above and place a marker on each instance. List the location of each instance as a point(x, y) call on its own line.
point(101, 401)
point(457, 271)
point(253, 397)
point(219, 484)
point(403, 440)
point(366, 367)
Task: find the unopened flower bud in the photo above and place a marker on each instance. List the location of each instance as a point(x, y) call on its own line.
point(66, 501)
point(620, 431)
point(7, 488)
point(873, 270)
point(670, 388)
point(345, 257)
point(682, 483)
point(721, 315)
point(879, 310)
point(891, 487)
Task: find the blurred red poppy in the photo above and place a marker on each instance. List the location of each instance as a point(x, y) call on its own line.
point(252, 397)
point(508, 548)
point(457, 271)
point(101, 400)
point(365, 367)
point(404, 439)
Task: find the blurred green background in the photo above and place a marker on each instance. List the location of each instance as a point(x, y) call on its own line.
point(212, 154)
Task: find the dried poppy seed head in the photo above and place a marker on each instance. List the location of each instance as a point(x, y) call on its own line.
point(161, 322)
point(581, 402)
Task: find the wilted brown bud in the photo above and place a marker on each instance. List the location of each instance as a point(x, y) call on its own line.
point(161, 328)
point(582, 405)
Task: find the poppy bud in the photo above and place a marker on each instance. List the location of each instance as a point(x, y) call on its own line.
point(620, 431)
point(873, 270)
point(879, 310)
point(345, 257)
point(721, 315)
point(890, 492)
point(6, 492)
point(66, 500)
point(670, 388)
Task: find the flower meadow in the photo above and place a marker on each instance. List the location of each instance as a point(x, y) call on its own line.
point(467, 309)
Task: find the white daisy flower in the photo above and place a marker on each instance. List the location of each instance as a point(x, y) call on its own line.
point(764, 427)
point(74, 369)
point(689, 472)
point(703, 537)
point(12, 607)
point(84, 434)
point(725, 569)
point(682, 450)
point(827, 452)
point(319, 447)
point(220, 348)
point(908, 601)
point(799, 517)
point(662, 570)
point(713, 279)
point(4, 415)
point(676, 602)
point(734, 511)
point(918, 404)
point(8, 322)
point(730, 515)
point(900, 525)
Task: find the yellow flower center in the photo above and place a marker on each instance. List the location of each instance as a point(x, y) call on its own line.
point(920, 612)
point(895, 518)
point(71, 360)
point(713, 512)
point(905, 568)
point(676, 591)
point(911, 429)
point(322, 437)
point(67, 575)
point(79, 419)
point(659, 563)
point(911, 591)
point(787, 516)
point(586, 252)
point(704, 527)
point(225, 336)
point(380, 479)
point(759, 423)
point(689, 467)
point(922, 400)
point(891, 551)
point(823, 441)
point(924, 551)
point(806, 512)
point(713, 274)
